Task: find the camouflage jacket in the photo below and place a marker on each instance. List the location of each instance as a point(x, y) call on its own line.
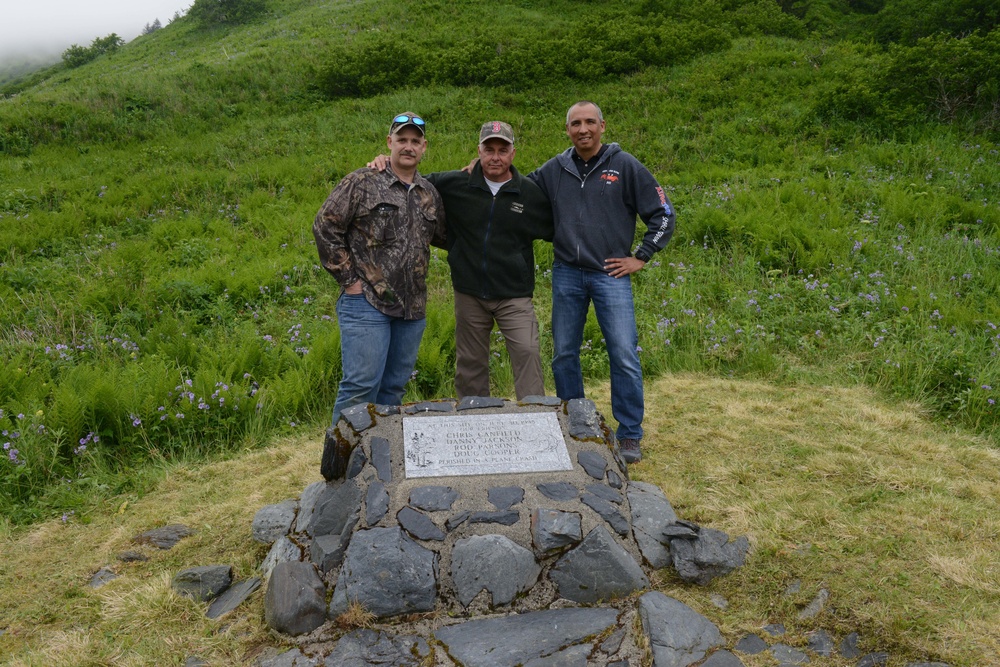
point(375, 229)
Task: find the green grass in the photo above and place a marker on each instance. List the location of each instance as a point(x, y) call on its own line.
point(156, 205)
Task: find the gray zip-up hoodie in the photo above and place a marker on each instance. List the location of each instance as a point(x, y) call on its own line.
point(595, 217)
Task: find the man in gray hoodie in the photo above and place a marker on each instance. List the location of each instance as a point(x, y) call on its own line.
point(597, 190)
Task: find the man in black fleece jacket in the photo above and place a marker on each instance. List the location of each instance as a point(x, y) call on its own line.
point(493, 215)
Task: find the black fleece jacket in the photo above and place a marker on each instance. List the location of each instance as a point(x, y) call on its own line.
point(490, 238)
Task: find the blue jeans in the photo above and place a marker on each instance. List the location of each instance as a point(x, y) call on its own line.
point(573, 289)
point(377, 354)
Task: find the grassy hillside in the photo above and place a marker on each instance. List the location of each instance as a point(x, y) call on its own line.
point(160, 296)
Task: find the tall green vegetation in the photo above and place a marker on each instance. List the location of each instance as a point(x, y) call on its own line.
point(160, 295)
point(226, 11)
point(77, 55)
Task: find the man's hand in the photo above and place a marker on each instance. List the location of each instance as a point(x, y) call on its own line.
point(619, 267)
point(354, 288)
point(380, 163)
point(469, 167)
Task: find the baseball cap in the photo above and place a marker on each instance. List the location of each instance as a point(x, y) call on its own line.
point(407, 119)
point(496, 129)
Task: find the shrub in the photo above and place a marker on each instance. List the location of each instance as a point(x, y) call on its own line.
point(949, 78)
point(76, 56)
point(208, 12)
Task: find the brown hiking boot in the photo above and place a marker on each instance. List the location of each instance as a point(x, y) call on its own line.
point(629, 447)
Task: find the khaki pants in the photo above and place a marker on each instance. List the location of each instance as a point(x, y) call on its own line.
point(474, 320)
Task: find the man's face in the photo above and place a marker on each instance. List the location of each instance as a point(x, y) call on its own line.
point(496, 156)
point(406, 148)
point(585, 129)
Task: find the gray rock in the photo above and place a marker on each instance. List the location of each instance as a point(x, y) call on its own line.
point(164, 538)
point(356, 463)
point(381, 458)
point(751, 645)
point(710, 556)
point(473, 402)
point(774, 629)
point(873, 660)
point(282, 551)
point(849, 646)
point(613, 642)
point(558, 491)
point(821, 643)
point(550, 401)
point(681, 530)
point(608, 512)
point(274, 521)
point(605, 493)
point(597, 569)
point(574, 656)
point(204, 582)
point(614, 480)
point(387, 573)
point(515, 640)
point(102, 577)
point(233, 597)
point(131, 557)
point(584, 420)
point(815, 607)
point(506, 518)
point(292, 658)
point(194, 661)
point(433, 498)
point(307, 503)
point(718, 601)
point(418, 524)
point(358, 416)
point(593, 463)
point(429, 406)
point(505, 497)
point(793, 588)
point(619, 663)
point(494, 563)
point(338, 445)
point(788, 656)
point(387, 410)
point(457, 520)
point(651, 514)
point(334, 507)
point(376, 503)
point(678, 635)
point(362, 648)
point(552, 529)
point(327, 551)
point(295, 602)
point(722, 658)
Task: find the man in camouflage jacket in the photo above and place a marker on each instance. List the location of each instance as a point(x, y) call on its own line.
point(374, 234)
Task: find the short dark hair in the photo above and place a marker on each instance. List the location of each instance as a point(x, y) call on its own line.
point(600, 116)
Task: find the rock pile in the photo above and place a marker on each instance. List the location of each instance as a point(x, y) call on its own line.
point(533, 569)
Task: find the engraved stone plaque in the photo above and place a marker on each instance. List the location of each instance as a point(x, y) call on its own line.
point(484, 444)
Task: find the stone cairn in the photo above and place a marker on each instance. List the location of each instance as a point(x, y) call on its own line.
point(538, 569)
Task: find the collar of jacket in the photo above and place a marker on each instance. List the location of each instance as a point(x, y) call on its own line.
point(418, 180)
point(478, 180)
point(566, 158)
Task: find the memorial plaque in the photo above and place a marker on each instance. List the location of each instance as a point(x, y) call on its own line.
point(484, 444)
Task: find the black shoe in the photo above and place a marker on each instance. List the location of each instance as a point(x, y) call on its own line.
point(629, 447)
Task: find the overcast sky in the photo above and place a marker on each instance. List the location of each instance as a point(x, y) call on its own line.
point(51, 26)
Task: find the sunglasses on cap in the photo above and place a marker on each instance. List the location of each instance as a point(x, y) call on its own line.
point(407, 118)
